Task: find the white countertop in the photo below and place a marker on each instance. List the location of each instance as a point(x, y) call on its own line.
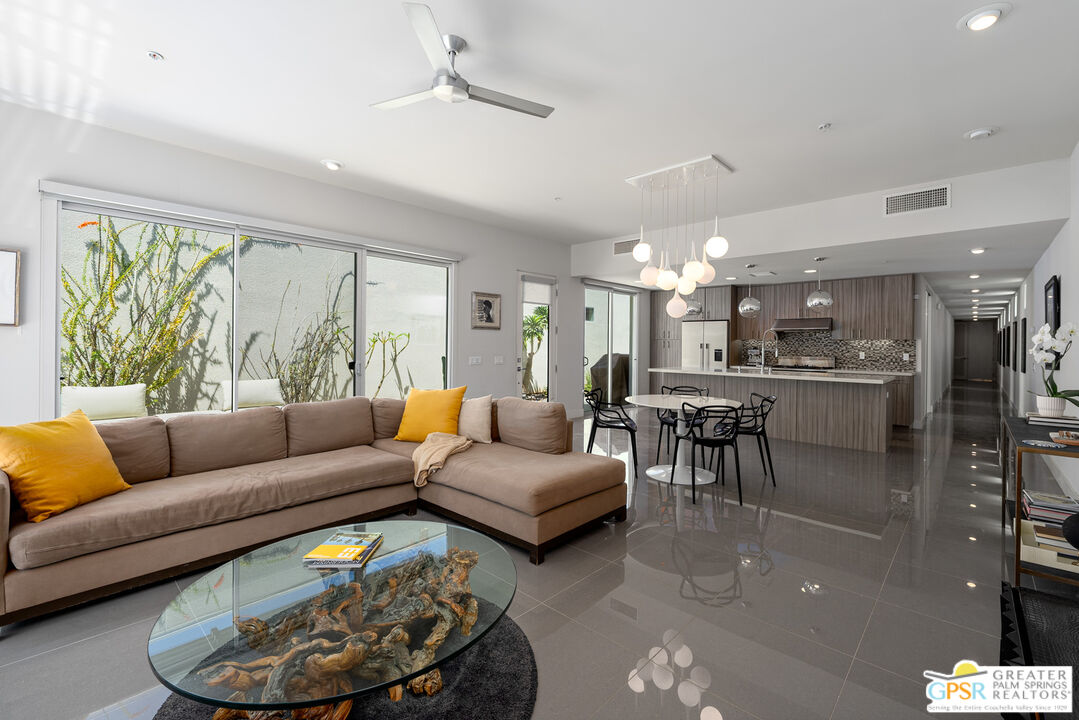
point(894, 373)
point(849, 376)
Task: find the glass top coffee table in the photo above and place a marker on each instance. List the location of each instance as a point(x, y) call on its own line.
point(265, 633)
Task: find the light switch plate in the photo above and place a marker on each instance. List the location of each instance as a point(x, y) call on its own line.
point(500, 359)
point(906, 357)
point(861, 355)
point(474, 360)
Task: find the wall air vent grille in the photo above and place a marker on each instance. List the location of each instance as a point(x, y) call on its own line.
point(926, 199)
point(624, 247)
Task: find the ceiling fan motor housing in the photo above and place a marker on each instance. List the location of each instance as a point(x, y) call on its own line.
point(450, 89)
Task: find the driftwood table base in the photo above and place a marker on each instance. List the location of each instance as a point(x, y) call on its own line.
point(351, 635)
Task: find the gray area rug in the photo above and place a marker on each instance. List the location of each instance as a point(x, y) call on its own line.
point(495, 679)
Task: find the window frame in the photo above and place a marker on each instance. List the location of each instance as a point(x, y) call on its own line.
point(56, 197)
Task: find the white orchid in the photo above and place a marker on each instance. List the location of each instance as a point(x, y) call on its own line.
point(1043, 357)
point(1047, 352)
point(1039, 338)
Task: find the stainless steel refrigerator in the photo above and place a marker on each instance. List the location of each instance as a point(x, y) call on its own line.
point(704, 345)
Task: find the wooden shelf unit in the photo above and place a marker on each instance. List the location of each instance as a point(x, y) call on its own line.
point(1029, 558)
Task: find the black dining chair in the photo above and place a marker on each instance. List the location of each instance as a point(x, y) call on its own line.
point(754, 421)
point(610, 417)
point(713, 427)
point(668, 419)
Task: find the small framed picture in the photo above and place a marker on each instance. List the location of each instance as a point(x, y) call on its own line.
point(486, 311)
point(1052, 303)
point(9, 287)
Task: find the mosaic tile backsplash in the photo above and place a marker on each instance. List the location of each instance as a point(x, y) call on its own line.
point(879, 354)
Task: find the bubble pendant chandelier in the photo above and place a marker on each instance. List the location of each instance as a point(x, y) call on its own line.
point(670, 242)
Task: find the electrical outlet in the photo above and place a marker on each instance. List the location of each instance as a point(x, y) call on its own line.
point(500, 360)
point(475, 360)
point(906, 357)
point(861, 355)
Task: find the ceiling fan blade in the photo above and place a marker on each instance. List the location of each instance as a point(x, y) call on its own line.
point(403, 100)
point(475, 92)
point(423, 24)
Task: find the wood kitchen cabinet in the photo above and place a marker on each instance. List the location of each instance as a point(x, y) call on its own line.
point(903, 388)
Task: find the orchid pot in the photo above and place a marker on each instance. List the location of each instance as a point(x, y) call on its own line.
point(1047, 351)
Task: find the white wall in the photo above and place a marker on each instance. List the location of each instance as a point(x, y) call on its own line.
point(1025, 304)
point(934, 331)
point(35, 145)
point(1061, 258)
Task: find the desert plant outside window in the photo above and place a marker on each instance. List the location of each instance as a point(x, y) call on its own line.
point(176, 304)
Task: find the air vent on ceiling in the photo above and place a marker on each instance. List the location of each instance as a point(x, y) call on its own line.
point(624, 247)
point(763, 273)
point(915, 200)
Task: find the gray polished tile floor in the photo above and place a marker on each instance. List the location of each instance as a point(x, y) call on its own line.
point(825, 596)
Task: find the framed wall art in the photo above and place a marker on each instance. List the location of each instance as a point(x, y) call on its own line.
point(1023, 343)
point(486, 311)
point(1052, 302)
point(9, 286)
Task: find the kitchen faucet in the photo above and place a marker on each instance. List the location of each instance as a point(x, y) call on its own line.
point(764, 351)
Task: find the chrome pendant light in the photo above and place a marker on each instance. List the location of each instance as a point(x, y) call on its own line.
point(819, 301)
point(749, 307)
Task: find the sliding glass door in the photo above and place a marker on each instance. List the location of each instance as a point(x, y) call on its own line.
point(143, 303)
point(407, 318)
point(161, 317)
point(608, 342)
point(296, 322)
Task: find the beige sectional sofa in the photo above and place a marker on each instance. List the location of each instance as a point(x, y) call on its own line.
point(207, 487)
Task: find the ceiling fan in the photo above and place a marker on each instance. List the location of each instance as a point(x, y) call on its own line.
point(448, 86)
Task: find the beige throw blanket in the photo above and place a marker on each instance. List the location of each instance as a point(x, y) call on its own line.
point(431, 455)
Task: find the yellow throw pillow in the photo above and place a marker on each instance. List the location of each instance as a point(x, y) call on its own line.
point(428, 411)
point(57, 464)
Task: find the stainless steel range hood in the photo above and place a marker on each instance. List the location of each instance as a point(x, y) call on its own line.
point(823, 324)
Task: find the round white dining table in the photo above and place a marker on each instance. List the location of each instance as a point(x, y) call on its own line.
point(682, 469)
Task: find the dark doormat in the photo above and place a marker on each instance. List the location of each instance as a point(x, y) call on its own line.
point(495, 679)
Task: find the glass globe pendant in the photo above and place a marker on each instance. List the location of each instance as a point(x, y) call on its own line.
point(709, 273)
point(649, 274)
point(642, 251)
point(676, 306)
point(686, 286)
point(693, 269)
point(667, 278)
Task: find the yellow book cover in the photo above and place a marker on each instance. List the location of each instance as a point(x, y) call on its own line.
point(344, 549)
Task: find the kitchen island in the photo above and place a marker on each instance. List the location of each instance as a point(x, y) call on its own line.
point(841, 409)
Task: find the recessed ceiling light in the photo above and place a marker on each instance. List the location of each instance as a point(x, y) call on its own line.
point(971, 584)
point(984, 17)
point(732, 278)
point(984, 21)
point(975, 290)
point(809, 271)
point(333, 165)
point(980, 133)
point(977, 250)
point(975, 276)
point(154, 55)
point(824, 127)
point(974, 300)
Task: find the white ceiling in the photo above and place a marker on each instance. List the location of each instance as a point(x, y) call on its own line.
point(636, 85)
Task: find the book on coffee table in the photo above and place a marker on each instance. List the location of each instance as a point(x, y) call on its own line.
point(344, 551)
